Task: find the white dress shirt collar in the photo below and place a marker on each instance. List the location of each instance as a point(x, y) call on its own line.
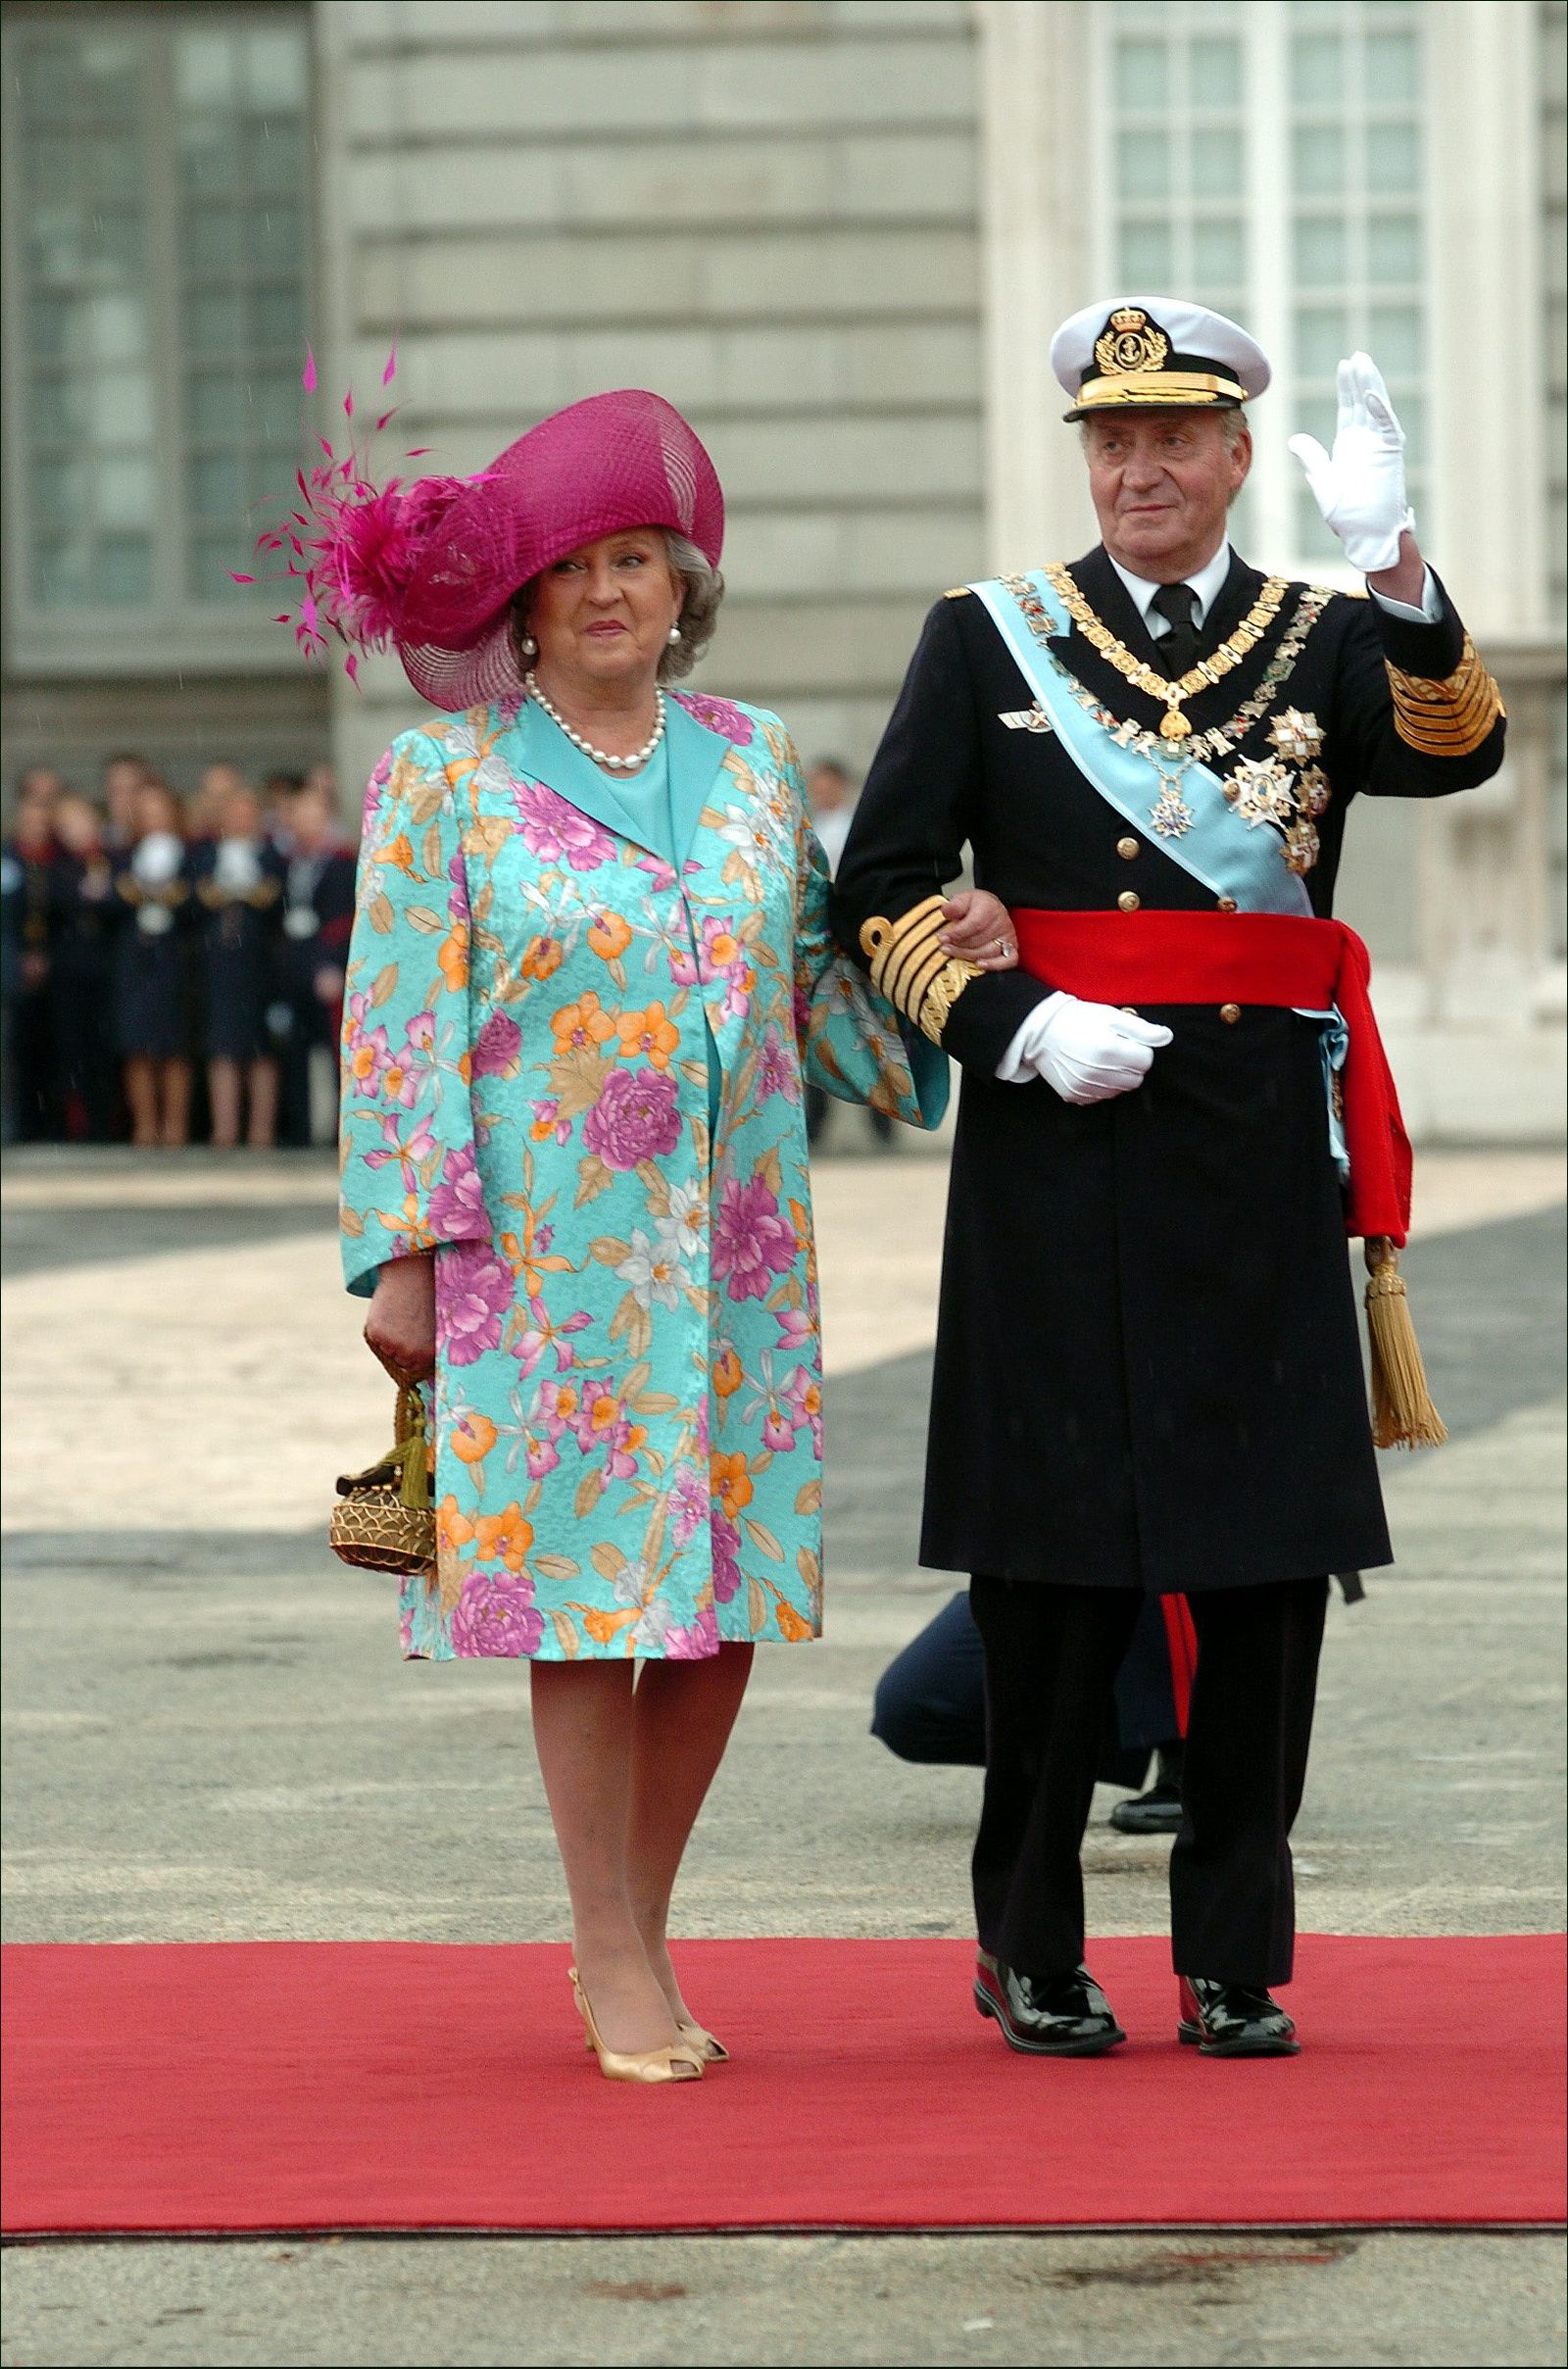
point(1206, 584)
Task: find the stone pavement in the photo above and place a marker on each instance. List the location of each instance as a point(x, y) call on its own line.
point(211, 1736)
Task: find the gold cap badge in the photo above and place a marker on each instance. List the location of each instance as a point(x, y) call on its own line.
point(1129, 343)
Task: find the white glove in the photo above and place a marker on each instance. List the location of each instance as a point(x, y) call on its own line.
point(1361, 487)
point(1086, 1052)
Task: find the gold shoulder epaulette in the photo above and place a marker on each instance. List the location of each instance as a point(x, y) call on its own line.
point(1448, 718)
point(958, 592)
point(910, 968)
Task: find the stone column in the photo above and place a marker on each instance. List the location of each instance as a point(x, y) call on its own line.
point(1036, 202)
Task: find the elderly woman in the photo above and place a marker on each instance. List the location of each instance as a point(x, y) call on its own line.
point(589, 971)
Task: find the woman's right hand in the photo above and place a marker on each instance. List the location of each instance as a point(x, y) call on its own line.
point(400, 1325)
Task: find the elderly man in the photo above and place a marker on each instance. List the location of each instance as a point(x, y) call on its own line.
point(1148, 1369)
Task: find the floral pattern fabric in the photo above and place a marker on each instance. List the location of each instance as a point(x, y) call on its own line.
point(573, 1068)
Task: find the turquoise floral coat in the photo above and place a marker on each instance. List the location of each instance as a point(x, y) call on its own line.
point(573, 1067)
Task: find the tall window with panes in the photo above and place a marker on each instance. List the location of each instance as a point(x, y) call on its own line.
point(1270, 160)
point(158, 226)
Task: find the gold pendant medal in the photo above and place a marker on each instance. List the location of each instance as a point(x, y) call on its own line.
point(1174, 725)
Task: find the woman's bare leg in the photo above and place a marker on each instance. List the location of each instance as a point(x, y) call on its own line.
point(141, 1097)
point(263, 1130)
point(176, 1080)
point(222, 1092)
point(582, 1728)
point(682, 1718)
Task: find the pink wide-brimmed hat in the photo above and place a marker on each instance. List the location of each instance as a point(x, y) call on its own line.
point(431, 568)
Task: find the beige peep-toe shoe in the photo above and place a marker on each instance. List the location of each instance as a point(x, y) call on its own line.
point(679, 2060)
point(703, 2041)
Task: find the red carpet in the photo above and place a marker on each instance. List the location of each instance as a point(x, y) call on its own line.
point(377, 2084)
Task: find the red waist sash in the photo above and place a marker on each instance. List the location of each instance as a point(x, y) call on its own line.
point(1281, 959)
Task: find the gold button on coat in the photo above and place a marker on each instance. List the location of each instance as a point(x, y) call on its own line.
point(1127, 849)
point(1230, 1012)
point(1129, 901)
point(1227, 905)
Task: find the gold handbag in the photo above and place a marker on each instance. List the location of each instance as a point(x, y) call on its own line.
point(384, 1519)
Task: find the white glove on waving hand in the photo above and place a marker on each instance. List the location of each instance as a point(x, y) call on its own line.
point(1360, 487)
point(1086, 1052)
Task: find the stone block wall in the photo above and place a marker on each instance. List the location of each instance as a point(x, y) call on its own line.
point(768, 212)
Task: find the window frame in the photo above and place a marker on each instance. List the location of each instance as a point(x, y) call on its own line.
point(1268, 207)
point(171, 632)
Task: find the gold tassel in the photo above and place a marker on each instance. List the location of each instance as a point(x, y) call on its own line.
point(1402, 1413)
point(412, 1450)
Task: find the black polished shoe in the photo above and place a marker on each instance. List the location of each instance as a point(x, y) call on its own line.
point(1157, 1811)
point(1069, 2016)
point(1231, 2019)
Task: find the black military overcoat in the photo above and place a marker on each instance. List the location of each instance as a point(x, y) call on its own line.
point(1148, 1365)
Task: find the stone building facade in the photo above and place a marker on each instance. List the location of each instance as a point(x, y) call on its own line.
point(837, 233)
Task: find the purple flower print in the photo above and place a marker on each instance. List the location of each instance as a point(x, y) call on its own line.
point(636, 1117)
point(697, 1642)
point(557, 832)
point(497, 1046)
point(472, 1298)
point(721, 715)
point(548, 1123)
point(804, 1393)
point(543, 1455)
point(495, 1615)
point(795, 1325)
point(688, 1504)
point(604, 1428)
point(751, 1244)
point(778, 1432)
point(372, 794)
point(726, 1557)
point(778, 1076)
point(457, 1205)
point(366, 1050)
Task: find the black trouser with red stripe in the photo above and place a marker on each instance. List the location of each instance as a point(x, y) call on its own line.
point(1052, 1654)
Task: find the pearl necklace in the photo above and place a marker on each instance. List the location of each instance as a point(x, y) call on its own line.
point(601, 757)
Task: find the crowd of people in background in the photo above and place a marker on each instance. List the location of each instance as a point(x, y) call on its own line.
point(173, 969)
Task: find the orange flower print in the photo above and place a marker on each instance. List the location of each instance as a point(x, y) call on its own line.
point(583, 1026)
point(609, 935)
point(791, 1626)
point(651, 1033)
point(453, 1529)
point(473, 1437)
point(505, 1537)
point(730, 1482)
point(728, 1374)
point(398, 856)
point(454, 958)
point(541, 957)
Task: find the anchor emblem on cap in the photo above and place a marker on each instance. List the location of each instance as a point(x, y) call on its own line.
point(1130, 341)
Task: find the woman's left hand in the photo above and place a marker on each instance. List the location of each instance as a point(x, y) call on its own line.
point(978, 928)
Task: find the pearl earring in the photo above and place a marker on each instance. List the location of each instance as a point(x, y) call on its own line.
point(673, 635)
point(530, 648)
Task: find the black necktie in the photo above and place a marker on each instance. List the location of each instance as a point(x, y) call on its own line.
point(1178, 649)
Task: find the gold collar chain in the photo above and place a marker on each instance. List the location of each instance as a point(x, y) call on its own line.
point(1174, 725)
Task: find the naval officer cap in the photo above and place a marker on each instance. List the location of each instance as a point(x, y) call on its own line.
point(1156, 351)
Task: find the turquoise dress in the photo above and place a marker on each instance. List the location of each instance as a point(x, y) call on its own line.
point(580, 1014)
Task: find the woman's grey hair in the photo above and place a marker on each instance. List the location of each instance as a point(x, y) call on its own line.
point(699, 610)
point(702, 591)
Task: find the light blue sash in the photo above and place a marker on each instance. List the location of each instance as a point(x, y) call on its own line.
point(1229, 858)
point(1218, 848)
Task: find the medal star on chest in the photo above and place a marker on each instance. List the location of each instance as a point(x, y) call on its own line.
point(1263, 790)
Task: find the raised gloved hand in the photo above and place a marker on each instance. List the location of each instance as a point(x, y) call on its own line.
point(1360, 487)
point(1086, 1052)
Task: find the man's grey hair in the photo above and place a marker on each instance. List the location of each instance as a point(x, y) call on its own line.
point(699, 608)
